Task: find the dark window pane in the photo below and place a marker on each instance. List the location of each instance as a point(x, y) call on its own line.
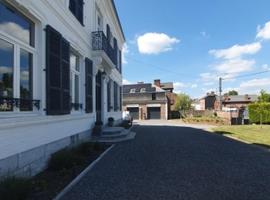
point(6, 75)
point(16, 25)
point(26, 60)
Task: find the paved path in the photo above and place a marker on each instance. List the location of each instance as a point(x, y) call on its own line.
point(169, 162)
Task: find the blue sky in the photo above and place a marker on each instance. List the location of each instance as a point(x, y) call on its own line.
point(192, 43)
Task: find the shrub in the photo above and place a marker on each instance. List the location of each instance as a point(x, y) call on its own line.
point(258, 111)
point(85, 148)
point(64, 159)
point(15, 188)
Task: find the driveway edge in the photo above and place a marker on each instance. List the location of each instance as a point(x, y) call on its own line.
point(81, 175)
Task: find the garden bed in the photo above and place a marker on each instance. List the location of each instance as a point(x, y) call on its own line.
point(206, 120)
point(63, 167)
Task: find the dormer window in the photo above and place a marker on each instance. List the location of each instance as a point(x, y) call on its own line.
point(142, 90)
point(133, 90)
point(76, 7)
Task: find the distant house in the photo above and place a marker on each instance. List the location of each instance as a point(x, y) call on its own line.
point(238, 101)
point(212, 102)
point(208, 102)
point(145, 101)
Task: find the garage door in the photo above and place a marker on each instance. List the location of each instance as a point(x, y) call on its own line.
point(134, 112)
point(153, 113)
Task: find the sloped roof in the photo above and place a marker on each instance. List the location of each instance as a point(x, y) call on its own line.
point(149, 88)
point(240, 98)
point(168, 85)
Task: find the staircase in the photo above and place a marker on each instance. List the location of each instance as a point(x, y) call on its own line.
point(114, 135)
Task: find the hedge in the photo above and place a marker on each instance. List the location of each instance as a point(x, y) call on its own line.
point(258, 110)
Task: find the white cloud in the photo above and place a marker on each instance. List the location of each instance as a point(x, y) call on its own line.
point(266, 67)
point(194, 86)
point(236, 51)
point(234, 66)
point(5, 70)
point(178, 86)
point(208, 76)
point(264, 32)
point(125, 51)
point(25, 75)
point(209, 83)
point(155, 43)
point(126, 82)
point(15, 30)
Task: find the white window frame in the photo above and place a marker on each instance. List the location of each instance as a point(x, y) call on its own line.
point(17, 45)
point(73, 73)
point(132, 90)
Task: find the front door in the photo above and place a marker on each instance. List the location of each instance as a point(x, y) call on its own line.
point(98, 97)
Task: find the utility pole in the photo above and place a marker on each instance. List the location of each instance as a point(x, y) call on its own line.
point(220, 91)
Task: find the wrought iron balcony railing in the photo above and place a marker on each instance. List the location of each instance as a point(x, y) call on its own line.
point(8, 104)
point(100, 42)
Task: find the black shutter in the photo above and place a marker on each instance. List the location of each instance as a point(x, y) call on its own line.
point(88, 86)
point(57, 73)
point(115, 97)
point(109, 96)
point(115, 45)
point(80, 13)
point(65, 67)
point(108, 32)
point(76, 7)
point(120, 95)
point(120, 61)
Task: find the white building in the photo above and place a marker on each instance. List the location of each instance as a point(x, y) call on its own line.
point(60, 72)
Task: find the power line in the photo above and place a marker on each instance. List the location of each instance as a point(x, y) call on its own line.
point(160, 68)
point(247, 75)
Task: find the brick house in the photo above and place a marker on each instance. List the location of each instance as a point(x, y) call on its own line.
point(145, 101)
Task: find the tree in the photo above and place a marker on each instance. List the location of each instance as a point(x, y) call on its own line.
point(232, 93)
point(264, 96)
point(182, 102)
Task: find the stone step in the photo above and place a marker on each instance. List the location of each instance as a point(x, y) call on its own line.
point(112, 130)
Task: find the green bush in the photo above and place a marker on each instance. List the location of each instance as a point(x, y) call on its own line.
point(258, 111)
point(15, 189)
point(64, 159)
point(85, 148)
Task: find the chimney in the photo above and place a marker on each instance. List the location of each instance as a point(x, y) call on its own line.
point(157, 82)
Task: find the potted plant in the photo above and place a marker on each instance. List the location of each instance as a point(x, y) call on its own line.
point(98, 128)
point(110, 121)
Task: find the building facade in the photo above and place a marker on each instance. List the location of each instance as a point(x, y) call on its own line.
point(60, 72)
point(145, 101)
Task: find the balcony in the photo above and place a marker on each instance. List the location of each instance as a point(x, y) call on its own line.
point(103, 49)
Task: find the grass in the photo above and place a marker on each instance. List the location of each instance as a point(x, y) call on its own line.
point(254, 134)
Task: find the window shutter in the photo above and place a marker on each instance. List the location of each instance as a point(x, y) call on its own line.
point(109, 96)
point(108, 33)
point(88, 86)
point(80, 13)
point(115, 97)
point(120, 61)
point(65, 67)
point(57, 73)
point(115, 45)
point(72, 6)
point(120, 97)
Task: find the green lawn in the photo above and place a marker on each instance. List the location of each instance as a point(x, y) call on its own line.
point(253, 134)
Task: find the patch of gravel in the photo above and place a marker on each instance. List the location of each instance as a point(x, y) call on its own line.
point(170, 162)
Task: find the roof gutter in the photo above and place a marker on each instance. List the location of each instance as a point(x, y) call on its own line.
point(118, 19)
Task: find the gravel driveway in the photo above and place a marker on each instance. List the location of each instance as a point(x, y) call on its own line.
point(169, 162)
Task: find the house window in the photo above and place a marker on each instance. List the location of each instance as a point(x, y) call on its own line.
point(154, 97)
point(76, 7)
point(75, 81)
point(142, 90)
point(16, 25)
point(16, 60)
point(133, 90)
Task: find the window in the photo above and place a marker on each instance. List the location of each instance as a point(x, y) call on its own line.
point(76, 7)
point(154, 97)
point(75, 81)
point(16, 60)
point(133, 90)
point(16, 25)
point(142, 90)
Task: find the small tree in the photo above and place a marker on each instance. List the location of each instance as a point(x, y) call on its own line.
point(183, 102)
point(232, 93)
point(264, 96)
